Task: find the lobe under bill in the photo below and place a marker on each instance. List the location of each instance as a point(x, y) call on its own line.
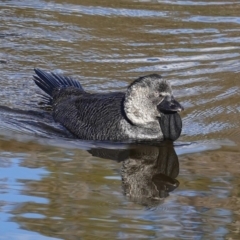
point(171, 125)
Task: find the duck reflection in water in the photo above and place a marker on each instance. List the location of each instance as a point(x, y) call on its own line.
point(148, 172)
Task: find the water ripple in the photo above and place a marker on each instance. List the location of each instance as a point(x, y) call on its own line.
point(88, 10)
point(195, 3)
point(212, 19)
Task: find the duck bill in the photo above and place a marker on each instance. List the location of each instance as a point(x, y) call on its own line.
point(170, 105)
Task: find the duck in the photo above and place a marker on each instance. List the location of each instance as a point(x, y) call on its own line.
point(145, 111)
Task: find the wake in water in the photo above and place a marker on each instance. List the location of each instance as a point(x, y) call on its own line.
point(27, 122)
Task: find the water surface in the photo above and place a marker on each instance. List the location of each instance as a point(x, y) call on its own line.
point(56, 187)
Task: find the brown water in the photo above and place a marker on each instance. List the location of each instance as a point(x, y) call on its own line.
point(55, 187)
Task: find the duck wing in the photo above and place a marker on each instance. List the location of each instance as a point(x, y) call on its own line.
point(90, 116)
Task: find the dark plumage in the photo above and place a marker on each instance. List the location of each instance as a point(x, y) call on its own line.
point(118, 116)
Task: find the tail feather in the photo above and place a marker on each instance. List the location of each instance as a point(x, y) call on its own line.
point(50, 81)
point(67, 81)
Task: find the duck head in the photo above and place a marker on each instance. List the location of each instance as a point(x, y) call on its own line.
point(148, 100)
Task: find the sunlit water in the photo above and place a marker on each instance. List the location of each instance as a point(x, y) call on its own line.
point(55, 187)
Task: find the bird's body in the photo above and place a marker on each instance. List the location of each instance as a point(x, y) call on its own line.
point(83, 114)
point(116, 116)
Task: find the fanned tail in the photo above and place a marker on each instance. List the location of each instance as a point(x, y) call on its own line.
point(48, 82)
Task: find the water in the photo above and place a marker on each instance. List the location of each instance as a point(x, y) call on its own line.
point(55, 187)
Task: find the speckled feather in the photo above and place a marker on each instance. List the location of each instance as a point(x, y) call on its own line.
point(90, 116)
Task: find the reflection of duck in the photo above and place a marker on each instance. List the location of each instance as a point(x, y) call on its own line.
point(147, 111)
point(148, 172)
